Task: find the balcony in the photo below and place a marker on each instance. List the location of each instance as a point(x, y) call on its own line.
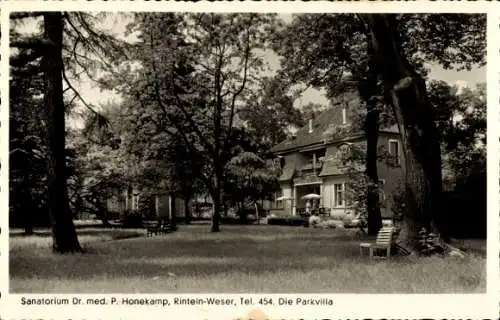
point(311, 168)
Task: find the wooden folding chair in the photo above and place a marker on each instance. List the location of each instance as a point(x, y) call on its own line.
point(383, 242)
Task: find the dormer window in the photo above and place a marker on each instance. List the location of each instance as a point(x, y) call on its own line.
point(344, 115)
point(310, 126)
point(394, 151)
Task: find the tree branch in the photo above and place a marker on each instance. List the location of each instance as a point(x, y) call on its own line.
point(25, 58)
point(33, 43)
point(77, 94)
point(71, 101)
point(187, 116)
point(239, 91)
point(23, 15)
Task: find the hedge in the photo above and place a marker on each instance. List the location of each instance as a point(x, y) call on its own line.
point(288, 220)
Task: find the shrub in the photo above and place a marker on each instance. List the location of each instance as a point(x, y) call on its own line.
point(125, 235)
point(429, 243)
point(132, 220)
point(288, 220)
point(237, 220)
point(338, 216)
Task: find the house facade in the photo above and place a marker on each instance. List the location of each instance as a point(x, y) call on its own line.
point(312, 163)
point(157, 206)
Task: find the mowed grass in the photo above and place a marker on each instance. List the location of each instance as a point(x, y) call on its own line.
point(260, 259)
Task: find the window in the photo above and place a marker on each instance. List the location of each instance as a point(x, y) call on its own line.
point(381, 192)
point(278, 162)
point(339, 194)
point(394, 151)
point(135, 202)
point(345, 149)
point(279, 202)
point(344, 115)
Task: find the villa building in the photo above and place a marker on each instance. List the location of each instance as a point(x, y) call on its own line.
point(311, 162)
point(157, 206)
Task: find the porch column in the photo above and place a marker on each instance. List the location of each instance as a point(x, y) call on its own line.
point(125, 194)
point(294, 204)
point(157, 205)
point(322, 194)
point(170, 208)
point(314, 163)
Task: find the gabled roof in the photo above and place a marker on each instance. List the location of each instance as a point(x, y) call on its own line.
point(322, 125)
point(288, 170)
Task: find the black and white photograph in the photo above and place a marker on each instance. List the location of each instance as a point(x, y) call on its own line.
point(247, 152)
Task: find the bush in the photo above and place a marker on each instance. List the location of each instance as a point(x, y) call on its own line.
point(338, 215)
point(288, 221)
point(125, 235)
point(237, 220)
point(132, 220)
point(429, 243)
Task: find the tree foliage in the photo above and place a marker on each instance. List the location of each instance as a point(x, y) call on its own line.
point(376, 53)
point(195, 74)
point(45, 57)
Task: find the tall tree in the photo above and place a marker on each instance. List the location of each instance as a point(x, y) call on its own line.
point(63, 229)
point(270, 113)
point(328, 52)
point(196, 70)
point(329, 48)
point(406, 91)
point(52, 48)
point(27, 144)
point(461, 114)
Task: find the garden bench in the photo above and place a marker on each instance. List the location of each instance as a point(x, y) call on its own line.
point(384, 241)
point(160, 228)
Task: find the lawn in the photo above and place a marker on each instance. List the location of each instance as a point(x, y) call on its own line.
point(264, 258)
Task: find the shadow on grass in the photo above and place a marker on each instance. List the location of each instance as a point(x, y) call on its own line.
point(229, 252)
point(282, 258)
point(81, 232)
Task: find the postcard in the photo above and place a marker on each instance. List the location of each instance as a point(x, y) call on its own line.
point(223, 160)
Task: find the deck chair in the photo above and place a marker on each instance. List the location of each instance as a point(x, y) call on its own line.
point(165, 227)
point(154, 230)
point(383, 242)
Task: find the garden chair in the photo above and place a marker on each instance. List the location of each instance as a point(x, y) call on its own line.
point(383, 242)
point(165, 227)
point(154, 230)
point(161, 227)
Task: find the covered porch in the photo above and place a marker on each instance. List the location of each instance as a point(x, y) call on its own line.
point(302, 189)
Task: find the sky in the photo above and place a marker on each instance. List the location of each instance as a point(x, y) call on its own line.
point(116, 24)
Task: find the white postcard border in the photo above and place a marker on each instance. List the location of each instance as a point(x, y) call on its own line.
point(345, 305)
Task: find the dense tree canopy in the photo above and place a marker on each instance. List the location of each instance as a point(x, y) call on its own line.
point(201, 109)
point(67, 43)
point(382, 55)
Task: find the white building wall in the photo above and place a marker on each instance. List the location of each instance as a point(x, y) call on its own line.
point(286, 191)
point(329, 195)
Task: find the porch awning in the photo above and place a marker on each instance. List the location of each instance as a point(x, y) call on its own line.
point(288, 170)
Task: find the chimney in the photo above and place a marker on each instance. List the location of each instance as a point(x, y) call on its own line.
point(310, 125)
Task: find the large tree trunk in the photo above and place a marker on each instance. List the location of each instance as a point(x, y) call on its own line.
point(187, 211)
point(63, 230)
point(173, 213)
point(241, 209)
point(406, 91)
point(372, 197)
point(103, 212)
point(368, 91)
point(28, 219)
point(28, 210)
point(216, 198)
